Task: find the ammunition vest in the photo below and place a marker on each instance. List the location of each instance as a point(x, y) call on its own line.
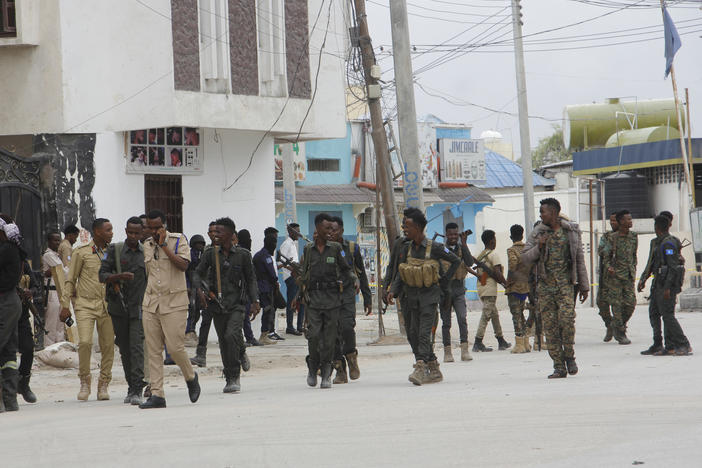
point(420, 272)
point(462, 270)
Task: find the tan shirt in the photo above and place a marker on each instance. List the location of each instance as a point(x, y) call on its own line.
point(166, 290)
point(491, 259)
point(65, 250)
point(82, 280)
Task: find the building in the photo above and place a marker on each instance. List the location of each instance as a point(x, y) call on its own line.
point(170, 104)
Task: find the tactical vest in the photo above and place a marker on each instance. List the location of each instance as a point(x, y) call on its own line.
point(462, 270)
point(420, 272)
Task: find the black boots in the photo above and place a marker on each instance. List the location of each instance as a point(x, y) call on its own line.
point(233, 385)
point(655, 347)
point(10, 380)
point(311, 373)
point(200, 359)
point(245, 362)
point(326, 376)
point(502, 344)
point(193, 389)
point(478, 346)
point(153, 402)
point(24, 390)
point(558, 374)
point(571, 366)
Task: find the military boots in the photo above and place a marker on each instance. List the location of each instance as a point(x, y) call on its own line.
point(200, 359)
point(420, 373)
point(502, 344)
point(24, 390)
point(608, 335)
point(311, 373)
point(84, 392)
point(102, 392)
point(434, 374)
point(354, 371)
point(465, 352)
point(478, 346)
point(521, 345)
point(326, 376)
point(448, 355)
point(341, 377)
point(233, 385)
point(10, 380)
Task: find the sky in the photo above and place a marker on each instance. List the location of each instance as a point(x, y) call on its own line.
point(555, 78)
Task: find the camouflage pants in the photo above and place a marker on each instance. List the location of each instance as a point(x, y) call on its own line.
point(489, 314)
point(516, 307)
point(602, 301)
point(557, 307)
point(621, 295)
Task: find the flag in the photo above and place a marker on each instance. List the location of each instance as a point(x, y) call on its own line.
point(672, 40)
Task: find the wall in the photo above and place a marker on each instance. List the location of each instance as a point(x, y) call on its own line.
point(250, 203)
point(337, 148)
point(303, 214)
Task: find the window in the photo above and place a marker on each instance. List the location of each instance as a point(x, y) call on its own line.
point(165, 193)
point(8, 24)
point(165, 150)
point(323, 165)
point(214, 45)
point(271, 47)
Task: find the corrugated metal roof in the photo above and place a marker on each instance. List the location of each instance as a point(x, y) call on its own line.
point(350, 193)
point(501, 172)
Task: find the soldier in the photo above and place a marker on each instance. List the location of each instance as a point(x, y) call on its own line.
point(517, 289)
point(399, 246)
point(669, 273)
point(420, 284)
point(124, 273)
point(456, 298)
point(322, 274)
point(165, 307)
point(225, 278)
point(200, 359)
point(603, 294)
point(346, 341)
point(83, 286)
point(11, 258)
point(555, 244)
point(619, 269)
point(197, 246)
point(487, 290)
point(52, 304)
point(267, 280)
point(65, 248)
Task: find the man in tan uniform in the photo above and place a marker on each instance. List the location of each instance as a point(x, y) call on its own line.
point(65, 248)
point(84, 288)
point(165, 307)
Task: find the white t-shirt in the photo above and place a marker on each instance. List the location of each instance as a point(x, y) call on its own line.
point(289, 249)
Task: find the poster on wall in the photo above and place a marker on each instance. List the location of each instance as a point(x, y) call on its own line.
point(299, 157)
point(462, 161)
point(171, 150)
point(426, 135)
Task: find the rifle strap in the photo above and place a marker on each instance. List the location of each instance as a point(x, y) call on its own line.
point(218, 271)
point(118, 252)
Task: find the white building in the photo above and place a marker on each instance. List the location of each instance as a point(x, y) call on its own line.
point(118, 108)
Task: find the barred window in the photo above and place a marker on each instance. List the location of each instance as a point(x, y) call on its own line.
point(323, 165)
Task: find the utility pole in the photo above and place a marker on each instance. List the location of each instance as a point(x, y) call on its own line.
point(524, 138)
point(380, 140)
point(406, 111)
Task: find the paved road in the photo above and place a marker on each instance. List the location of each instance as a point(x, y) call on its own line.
point(498, 410)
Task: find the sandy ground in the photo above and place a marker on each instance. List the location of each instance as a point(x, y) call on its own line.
point(622, 409)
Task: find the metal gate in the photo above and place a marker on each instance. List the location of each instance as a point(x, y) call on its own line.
point(165, 193)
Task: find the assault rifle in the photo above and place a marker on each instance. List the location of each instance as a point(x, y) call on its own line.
point(487, 271)
point(288, 263)
point(117, 287)
point(38, 322)
point(211, 295)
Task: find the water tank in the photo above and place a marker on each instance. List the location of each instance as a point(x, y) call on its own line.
point(627, 191)
point(642, 135)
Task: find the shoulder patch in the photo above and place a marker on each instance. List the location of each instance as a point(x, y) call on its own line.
point(446, 249)
point(343, 254)
point(669, 251)
point(269, 260)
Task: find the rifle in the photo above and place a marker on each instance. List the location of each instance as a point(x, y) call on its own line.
point(117, 288)
point(300, 234)
point(38, 322)
point(467, 233)
point(290, 264)
point(210, 294)
point(487, 271)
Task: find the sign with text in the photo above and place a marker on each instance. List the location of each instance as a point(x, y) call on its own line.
point(462, 161)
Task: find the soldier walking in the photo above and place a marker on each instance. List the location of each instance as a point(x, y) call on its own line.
point(556, 248)
point(84, 287)
point(517, 289)
point(669, 271)
point(323, 270)
point(165, 307)
point(124, 273)
point(420, 284)
point(346, 351)
point(456, 297)
point(603, 294)
point(489, 276)
point(200, 359)
point(619, 269)
point(226, 279)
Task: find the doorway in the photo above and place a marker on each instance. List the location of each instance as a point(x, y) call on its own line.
point(165, 193)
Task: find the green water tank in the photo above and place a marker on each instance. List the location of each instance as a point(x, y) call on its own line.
point(591, 125)
point(642, 135)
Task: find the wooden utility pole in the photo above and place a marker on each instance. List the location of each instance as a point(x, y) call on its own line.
point(380, 140)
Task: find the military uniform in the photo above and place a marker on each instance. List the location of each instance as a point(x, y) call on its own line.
point(83, 282)
point(517, 291)
point(603, 250)
point(668, 271)
point(65, 251)
point(620, 289)
point(322, 276)
point(129, 332)
point(10, 311)
point(455, 297)
point(420, 302)
point(238, 287)
point(346, 339)
point(165, 309)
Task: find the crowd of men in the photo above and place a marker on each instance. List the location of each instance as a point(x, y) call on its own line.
point(147, 294)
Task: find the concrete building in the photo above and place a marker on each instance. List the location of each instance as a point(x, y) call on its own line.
point(170, 104)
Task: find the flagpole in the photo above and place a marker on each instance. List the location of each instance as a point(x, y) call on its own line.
point(689, 147)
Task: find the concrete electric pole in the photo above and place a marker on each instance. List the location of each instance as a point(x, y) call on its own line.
point(406, 111)
point(524, 138)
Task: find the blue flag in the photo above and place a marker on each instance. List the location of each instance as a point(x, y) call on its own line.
point(672, 40)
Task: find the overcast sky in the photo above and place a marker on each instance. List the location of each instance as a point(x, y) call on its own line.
point(555, 79)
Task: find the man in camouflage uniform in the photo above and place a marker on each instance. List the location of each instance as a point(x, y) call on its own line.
point(517, 289)
point(323, 270)
point(619, 269)
point(604, 250)
point(555, 244)
point(420, 302)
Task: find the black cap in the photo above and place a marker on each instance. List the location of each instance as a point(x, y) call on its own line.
point(197, 238)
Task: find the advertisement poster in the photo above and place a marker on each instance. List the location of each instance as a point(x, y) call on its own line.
point(172, 150)
point(426, 135)
point(299, 161)
point(462, 161)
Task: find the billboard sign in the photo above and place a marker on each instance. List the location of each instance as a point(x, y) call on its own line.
point(462, 161)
